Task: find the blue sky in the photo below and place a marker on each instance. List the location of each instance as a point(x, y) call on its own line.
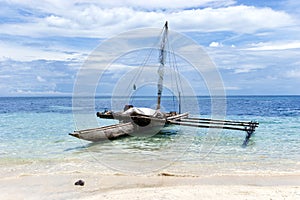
point(254, 44)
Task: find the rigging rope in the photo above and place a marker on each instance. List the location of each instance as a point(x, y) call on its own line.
point(141, 67)
point(165, 48)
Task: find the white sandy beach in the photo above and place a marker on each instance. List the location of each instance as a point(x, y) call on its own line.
point(60, 185)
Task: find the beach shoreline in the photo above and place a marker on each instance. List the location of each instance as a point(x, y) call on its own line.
point(60, 185)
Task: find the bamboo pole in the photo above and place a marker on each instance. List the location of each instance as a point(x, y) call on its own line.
point(222, 121)
point(180, 116)
point(233, 123)
point(206, 126)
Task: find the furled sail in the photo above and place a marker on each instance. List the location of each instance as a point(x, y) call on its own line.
point(161, 69)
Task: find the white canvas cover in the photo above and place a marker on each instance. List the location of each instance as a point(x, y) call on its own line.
point(141, 111)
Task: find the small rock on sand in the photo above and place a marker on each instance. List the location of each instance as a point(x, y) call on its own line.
point(79, 182)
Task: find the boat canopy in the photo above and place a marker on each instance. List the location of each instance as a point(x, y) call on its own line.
point(140, 111)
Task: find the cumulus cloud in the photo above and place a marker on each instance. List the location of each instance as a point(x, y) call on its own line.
point(58, 21)
point(145, 5)
point(92, 19)
point(215, 44)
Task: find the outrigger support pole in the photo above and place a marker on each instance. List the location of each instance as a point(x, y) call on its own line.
point(248, 127)
point(249, 130)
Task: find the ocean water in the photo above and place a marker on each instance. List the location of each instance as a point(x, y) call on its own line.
point(35, 130)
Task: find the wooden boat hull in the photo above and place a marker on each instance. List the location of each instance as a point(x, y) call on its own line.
point(140, 127)
point(105, 133)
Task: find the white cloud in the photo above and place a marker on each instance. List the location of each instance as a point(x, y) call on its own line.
point(232, 88)
point(247, 68)
point(4, 76)
point(40, 79)
point(35, 76)
point(83, 18)
point(9, 50)
point(146, 5)
point(215, 44)
point(20, 92)
point(58, 21)
point(281, 45)
point(293, 73)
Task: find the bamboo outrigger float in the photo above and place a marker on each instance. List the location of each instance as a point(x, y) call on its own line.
point(146, 121)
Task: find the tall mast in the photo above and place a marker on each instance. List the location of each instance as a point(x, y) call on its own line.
point(161, 69)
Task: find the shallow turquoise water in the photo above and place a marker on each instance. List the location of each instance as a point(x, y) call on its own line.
point(37, 129)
